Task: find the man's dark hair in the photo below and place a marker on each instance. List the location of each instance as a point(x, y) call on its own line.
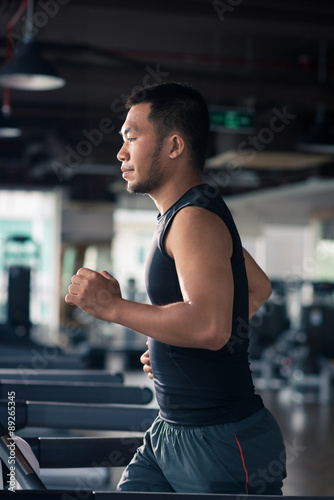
point(180, 108)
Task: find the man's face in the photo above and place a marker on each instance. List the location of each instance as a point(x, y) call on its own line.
point(140, 153)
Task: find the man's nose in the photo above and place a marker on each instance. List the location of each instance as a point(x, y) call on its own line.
point(123, 154)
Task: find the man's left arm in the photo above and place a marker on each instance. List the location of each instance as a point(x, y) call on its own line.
point(259, 286)
point(201, 246)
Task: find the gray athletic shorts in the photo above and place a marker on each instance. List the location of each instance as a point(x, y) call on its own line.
point(245, 457)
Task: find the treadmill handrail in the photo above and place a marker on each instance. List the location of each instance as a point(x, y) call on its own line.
point(76, 392)
point(67, 452)
point(106, 417)
point(60, 375)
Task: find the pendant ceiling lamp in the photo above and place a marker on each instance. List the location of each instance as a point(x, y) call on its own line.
point(27, 70)
point(8, 128)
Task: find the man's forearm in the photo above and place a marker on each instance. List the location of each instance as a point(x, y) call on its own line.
point(200, 322)
point(180, 324)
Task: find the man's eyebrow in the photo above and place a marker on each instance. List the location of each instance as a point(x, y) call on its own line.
point(126, 131)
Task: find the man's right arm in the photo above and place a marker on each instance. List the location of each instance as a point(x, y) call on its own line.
point(259, 286)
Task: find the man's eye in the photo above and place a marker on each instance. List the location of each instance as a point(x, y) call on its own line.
point(131, 139)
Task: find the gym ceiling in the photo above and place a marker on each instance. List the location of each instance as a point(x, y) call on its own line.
point(271, 60)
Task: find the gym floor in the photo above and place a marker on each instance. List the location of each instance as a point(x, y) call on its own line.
point(308, 430)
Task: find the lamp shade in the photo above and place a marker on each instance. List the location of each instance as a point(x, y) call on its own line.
point(8, 128)
point(28, 71)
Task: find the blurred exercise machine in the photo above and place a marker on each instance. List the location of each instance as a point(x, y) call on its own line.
point(75, 392)
point(266, 328)
point(119, 495)
point(316, 369)
point(55, 417)
point(62, 375)
point(105, 417)
point(295, 352)
point(21, 260)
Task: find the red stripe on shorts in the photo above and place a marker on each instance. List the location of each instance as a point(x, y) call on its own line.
point(243, 463)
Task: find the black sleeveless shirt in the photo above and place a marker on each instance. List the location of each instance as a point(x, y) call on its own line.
point(199, 386)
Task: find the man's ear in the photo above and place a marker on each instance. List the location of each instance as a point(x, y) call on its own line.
point(177, 146)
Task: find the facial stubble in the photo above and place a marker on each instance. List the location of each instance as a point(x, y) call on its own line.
point(154, 174)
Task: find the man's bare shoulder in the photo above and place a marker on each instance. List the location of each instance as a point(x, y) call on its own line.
point(195, 225)
point(198, 218)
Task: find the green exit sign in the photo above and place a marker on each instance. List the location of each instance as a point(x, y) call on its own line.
point(231, 119)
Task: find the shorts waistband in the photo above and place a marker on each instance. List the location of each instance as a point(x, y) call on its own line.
point(237, 425)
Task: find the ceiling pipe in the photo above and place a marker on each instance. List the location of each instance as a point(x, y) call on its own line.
point(6, 108)
point(7, 128)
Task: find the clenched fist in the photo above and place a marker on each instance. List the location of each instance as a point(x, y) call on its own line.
point(95, 293)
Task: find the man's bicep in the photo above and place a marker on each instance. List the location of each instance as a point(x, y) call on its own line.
point(202, 246)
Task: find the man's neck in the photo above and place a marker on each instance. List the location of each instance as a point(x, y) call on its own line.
point(172, 191)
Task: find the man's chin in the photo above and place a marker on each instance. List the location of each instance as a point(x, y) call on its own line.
point(129, 188)
point(135, 189)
